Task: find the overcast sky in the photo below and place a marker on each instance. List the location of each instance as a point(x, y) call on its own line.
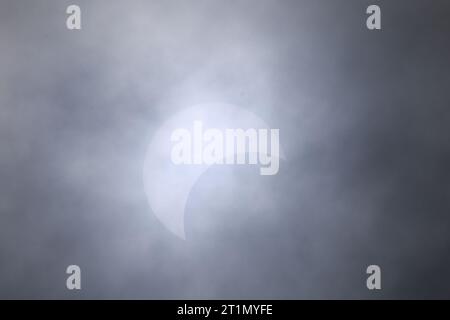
point(364, 121)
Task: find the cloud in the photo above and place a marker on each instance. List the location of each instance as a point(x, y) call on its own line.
point(362, 116)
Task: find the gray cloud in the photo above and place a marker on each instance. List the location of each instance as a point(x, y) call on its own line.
point(363, 118)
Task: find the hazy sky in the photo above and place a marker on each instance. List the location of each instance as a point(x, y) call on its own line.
point(364, 121)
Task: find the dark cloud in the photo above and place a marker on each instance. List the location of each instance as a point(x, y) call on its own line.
point(363, 118)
